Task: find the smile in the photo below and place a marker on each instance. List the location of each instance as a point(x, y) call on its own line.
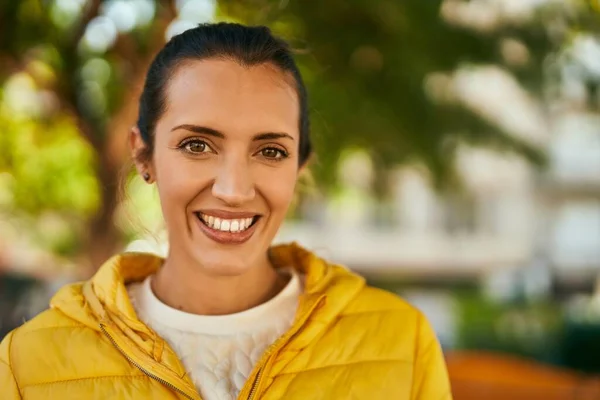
point(227, 230)
point(227, 225)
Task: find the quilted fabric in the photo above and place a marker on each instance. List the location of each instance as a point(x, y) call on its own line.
point(349, 341)
point(218, 352)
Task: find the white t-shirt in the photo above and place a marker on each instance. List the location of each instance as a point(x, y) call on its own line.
point(218, 352)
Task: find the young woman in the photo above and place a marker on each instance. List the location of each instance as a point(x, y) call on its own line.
point(223, 133)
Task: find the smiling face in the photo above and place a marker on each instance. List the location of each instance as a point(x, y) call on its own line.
point(225, 162)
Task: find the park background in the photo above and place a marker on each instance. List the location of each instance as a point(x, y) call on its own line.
point(457, 162)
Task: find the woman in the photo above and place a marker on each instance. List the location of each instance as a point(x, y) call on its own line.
point(223, 133)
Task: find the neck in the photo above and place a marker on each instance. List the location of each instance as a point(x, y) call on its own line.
point(187, 287)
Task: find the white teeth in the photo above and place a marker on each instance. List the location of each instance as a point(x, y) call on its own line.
point(227, 225)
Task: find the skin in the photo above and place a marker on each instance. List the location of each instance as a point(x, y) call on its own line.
point(238, 170)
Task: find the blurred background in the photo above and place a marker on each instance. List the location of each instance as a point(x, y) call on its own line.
point(458, 163)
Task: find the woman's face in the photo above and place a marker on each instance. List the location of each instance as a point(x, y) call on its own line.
point(225, 162)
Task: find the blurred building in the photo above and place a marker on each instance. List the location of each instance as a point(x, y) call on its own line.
point(508, 218)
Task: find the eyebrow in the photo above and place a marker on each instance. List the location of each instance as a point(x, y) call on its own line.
point(213, 132)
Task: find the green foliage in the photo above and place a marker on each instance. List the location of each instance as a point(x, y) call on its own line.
point(530, 330)
point(59, 164)
point(50, 165)
point(368, 62)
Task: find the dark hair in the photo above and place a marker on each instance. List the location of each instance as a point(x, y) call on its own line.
point(247, 45)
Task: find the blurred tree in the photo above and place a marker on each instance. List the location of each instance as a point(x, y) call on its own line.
point(370, 63)
point(83, 73)
point(379, 74)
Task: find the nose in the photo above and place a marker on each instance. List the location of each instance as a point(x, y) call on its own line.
point(233, 183)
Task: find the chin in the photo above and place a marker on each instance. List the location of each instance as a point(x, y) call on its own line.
point(225, 262)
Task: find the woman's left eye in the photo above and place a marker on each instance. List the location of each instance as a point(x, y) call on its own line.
point(273, 153)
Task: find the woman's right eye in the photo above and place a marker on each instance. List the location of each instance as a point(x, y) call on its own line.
point(195, 146)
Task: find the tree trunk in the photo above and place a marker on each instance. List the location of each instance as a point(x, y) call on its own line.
point(113, 154)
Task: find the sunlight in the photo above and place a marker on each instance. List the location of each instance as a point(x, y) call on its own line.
point(100, 34)
point(122, 13)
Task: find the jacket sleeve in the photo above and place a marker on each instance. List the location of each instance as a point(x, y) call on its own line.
point(8, 383)
point(430, 379)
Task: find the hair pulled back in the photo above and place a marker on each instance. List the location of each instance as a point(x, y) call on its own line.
point(246, 45)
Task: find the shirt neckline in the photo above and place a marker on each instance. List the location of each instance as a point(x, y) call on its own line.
point(265, 314)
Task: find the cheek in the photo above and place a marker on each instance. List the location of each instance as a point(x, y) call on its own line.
point(278, 189)
point(177, 181)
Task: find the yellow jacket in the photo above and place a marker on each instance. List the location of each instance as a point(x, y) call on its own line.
point(349, 341)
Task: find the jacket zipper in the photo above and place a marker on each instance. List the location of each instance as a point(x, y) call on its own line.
point(254, 386)
point(151, 375)
point(268, 354)
point(264, 360)
point(271, 349)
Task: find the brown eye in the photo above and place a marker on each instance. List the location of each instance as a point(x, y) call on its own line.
point(273, 153)
point(195, 146)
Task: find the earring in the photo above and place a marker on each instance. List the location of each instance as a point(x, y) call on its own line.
point(146, 176)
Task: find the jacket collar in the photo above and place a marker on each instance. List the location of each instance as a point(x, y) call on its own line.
point(89, 302)
point(102, 303)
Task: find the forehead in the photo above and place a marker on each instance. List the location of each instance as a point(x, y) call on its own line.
point(227, 96)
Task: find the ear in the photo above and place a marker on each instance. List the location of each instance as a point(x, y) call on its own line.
point(137, 147)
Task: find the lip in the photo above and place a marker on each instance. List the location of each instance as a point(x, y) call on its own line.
point(227, 237)
point(228, 214)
